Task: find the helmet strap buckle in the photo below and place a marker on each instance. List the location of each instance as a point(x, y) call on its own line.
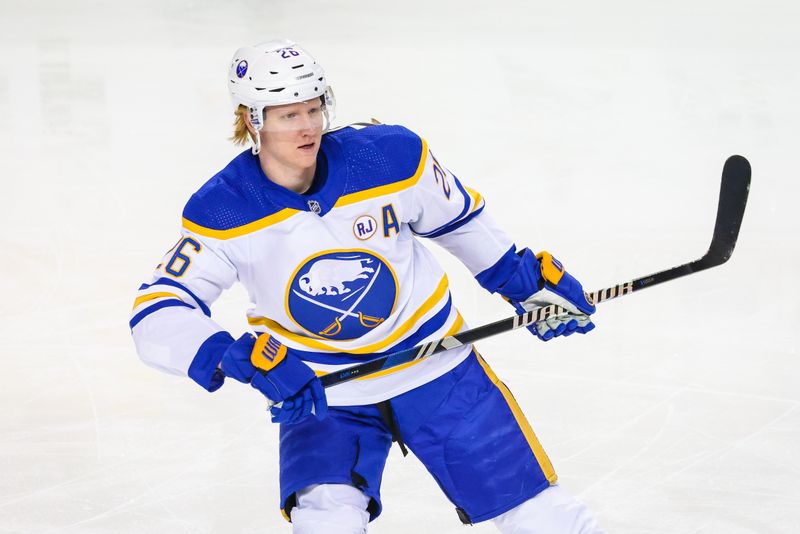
point(256, 121)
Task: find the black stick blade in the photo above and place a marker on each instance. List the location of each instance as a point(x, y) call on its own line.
point(732, 201)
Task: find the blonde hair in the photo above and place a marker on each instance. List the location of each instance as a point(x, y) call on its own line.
point(241, 134)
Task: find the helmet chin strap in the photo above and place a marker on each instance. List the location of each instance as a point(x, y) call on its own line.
point(255, 120)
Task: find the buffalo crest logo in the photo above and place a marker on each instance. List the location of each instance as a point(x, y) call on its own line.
point(342, 295)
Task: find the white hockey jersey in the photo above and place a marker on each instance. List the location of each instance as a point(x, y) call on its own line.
point(336, 274)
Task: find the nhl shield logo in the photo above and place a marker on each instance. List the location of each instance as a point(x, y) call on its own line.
point(342, 295)
point(314, 206)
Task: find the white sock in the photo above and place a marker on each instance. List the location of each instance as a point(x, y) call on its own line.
point(330, 509)
point(553, 511)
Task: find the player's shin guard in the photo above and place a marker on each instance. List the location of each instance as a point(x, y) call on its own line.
point(330, 509)
point(553, 511)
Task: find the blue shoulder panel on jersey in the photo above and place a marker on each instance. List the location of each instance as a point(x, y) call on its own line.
point(234, 197)
point(241, 199)
point(377, 155)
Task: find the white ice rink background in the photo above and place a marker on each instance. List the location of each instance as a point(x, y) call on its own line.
point(596, 130)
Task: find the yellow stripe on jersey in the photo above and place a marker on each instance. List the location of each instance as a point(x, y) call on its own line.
point(387, 189)
point(285, 213)
point(429, 304)
point(453, 330)
point(476, 198)
point(527, 431)
point(238, 231)
point(153, 296)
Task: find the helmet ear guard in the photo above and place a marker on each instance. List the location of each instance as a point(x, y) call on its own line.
point(328, 108)
point(255, 118)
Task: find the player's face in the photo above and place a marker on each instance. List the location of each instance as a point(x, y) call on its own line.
point(292, 133)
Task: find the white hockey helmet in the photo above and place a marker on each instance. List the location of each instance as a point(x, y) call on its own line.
point(274, 73)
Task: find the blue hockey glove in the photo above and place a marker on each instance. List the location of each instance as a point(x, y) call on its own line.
point(310, 400)
point(557, 286)
point(274, 370)
point(538, 281)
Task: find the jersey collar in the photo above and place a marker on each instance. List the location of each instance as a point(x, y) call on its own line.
point(321, 201)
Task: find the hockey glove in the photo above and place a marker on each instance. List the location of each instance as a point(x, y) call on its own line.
point(553, 285)
point(274, 370)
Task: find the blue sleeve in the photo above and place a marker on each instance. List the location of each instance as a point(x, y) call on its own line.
point(204, 368)
point(515, 275)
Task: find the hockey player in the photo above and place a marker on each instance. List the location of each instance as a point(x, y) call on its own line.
point(321, 226)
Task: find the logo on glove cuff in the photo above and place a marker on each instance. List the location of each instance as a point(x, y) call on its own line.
point(267, 352)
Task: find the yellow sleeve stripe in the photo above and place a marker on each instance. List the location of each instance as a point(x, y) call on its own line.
point(476, 198)
point(524, 425)
point(387, 189)
point(153, 296)
point(248, 228)
point(430, 302)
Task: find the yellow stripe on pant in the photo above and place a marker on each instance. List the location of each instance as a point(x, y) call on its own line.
point(533, 441)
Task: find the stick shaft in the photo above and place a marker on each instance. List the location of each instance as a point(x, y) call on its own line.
point(730, 211)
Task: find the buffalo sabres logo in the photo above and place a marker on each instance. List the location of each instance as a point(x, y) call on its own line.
point(342, 295)
point(241, 69)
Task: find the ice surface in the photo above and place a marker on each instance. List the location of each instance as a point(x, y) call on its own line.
point(596, 130)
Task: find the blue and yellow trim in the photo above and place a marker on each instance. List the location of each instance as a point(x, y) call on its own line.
point(387, 189)
point(170, 282)
point(239, 231)
point(153, 296)
point(454, 329)
point(435, 298)
point(154, 308)
point(524, 425)
point(472, 207)
point(459, 322)
point(476, 198)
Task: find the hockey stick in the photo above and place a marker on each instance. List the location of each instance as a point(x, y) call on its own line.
point(732, 200)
